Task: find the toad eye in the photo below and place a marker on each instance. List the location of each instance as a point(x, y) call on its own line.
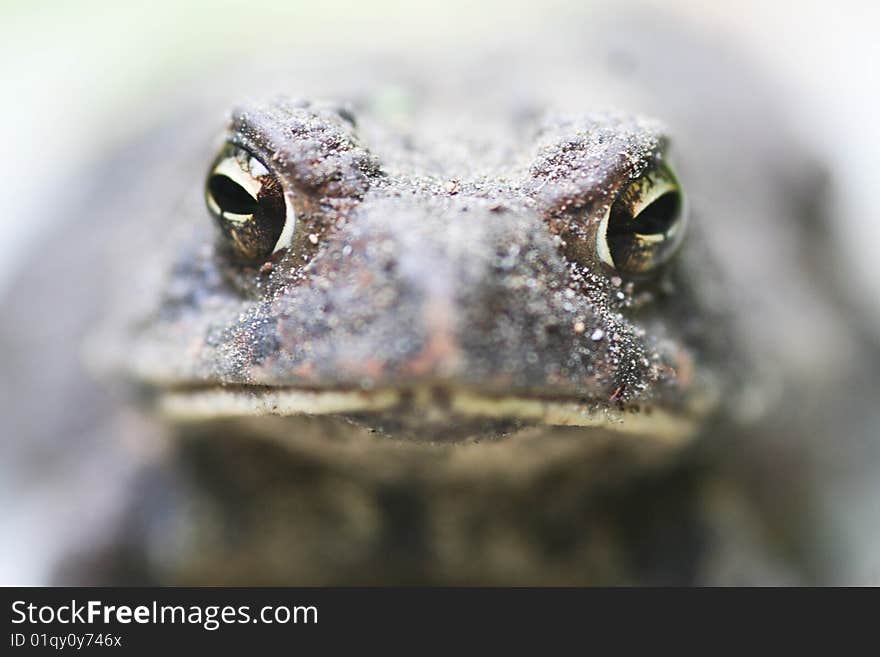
point(248, 204)
point(645, 224)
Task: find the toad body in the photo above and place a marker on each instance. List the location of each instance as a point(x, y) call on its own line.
point(443, 333)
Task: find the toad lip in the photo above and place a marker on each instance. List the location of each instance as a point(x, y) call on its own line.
point(674, 426)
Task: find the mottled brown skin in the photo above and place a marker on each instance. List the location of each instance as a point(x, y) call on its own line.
point(433, 261)
point(410, 284)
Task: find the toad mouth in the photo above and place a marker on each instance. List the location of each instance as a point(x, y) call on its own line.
point(197, 404)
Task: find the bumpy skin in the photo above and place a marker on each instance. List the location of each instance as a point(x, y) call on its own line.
point(414, 279)
point(445, 252)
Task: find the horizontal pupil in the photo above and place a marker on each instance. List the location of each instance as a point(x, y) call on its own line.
point(655, 219)
point(230, 196)
point(659, 216)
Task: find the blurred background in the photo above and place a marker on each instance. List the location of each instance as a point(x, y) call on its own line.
point(80, 78)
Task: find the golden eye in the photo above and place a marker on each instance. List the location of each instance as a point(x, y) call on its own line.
point(248, 204)
point(645, 224)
